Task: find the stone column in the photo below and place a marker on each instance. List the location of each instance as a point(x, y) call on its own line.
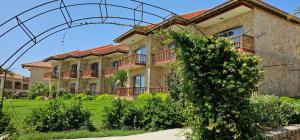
point(59, 75)
point(78, 75)
point(99, 80)
point(148, 63)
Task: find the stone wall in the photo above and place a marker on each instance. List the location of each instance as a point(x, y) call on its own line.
point(276, 43)
point(286, 133)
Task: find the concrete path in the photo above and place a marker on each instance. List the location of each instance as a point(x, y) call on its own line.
point(172, 134)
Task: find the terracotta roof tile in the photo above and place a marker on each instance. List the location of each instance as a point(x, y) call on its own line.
point(14, 76)
point(191, 15)
point(102, 50)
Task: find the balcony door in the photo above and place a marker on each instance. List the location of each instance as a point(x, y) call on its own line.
point(74, 70)
point(141, 55)
point(234, 34)
point(93, 88)
point(55, 71)
point(73, 87)
point(139, 84)
point(231, 32)
point(94, 69)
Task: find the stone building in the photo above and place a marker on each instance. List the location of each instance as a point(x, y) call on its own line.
point(15, 84)
point(255, 27)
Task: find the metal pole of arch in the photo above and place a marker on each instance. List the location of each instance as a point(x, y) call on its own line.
point(3, 90)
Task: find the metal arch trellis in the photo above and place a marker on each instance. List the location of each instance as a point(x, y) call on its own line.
point(69, 23)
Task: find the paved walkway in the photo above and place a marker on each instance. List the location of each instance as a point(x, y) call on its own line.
point(172, 134)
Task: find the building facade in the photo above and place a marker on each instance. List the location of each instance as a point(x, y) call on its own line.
point(37, 71)
point(15, 84)
point(84, 71)
point(255, 27)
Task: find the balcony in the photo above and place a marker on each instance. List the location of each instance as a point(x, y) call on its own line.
point(132, 91)
point(109, 71)
point(164, 56)
point(50, 75)
point(135, 60)
point(244, 43)
point(69, 74)
point(26, 79)
point(164, 89)
point(89, 74)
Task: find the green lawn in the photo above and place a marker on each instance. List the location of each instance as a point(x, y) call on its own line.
point(20, 108)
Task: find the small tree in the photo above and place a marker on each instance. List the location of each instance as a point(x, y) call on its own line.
point(119, 78)
point(218, 82)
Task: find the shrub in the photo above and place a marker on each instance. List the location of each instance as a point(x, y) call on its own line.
point(39, 98)
point(162, 95)
point(4, 121)
point(78, 117)
point(218, 82)
point(83, 96)
point(57, 116)
point(38, 89)
point(153, 114)
point(67, 96)
point(295, 104)
point(160, 114)
point(270, 112)
point(122, 115)
point(105, 97)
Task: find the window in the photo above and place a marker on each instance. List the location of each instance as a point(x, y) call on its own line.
point(55, 71)
point(139, 80)
point(25, 86)
point(171, 45)
point(114, 64)
point(141, 50)
point(18, 85)
point(93, 88)
point(72, 88)
point(94, 69)
point(8, 85)
point(231, 32)
point(141, 55)
point(74, 70)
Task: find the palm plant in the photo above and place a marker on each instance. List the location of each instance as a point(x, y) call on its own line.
point(119, 78)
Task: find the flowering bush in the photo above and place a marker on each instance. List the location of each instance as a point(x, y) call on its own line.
point(218, 82)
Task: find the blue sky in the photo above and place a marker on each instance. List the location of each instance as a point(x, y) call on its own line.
point(87, 36)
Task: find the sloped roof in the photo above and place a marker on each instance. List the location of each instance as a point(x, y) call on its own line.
point(202, 15)
point(98, 51)
point(39, 64)
point(13, 75)
point(142, 30)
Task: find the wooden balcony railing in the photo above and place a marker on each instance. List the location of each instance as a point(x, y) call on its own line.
point(244, 43)
point(109, 71)
point(163, 56)
point(159, 89)
point(135, 59)
point(69, 74)
point(89, 73)
point(26, 79)
point(132, 91)
point(49, 75)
